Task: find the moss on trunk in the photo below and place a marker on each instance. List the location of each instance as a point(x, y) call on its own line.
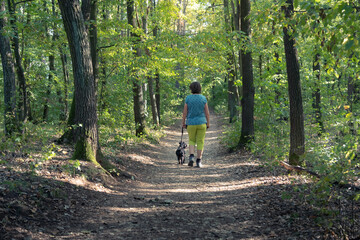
point(84, 151)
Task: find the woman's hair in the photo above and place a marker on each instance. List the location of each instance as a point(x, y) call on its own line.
point(195, 87)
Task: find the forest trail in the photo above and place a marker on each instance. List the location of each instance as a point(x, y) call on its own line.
point(231, 197)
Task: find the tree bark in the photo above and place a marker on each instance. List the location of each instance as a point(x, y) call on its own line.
point(139, 110)
point(316, 94)
point(233, 93)
point(10, 116)
point(89, 10)
point(155, 115)
point(65, 70)
point(157, 94)
point(85, 117)
point(247, 101)
point(297, 138)
point(51, 70)
point(23, 103)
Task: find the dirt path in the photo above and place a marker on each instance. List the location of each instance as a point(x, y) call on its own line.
point(231, 197)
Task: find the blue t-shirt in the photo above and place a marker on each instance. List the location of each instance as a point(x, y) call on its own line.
point(196, 109)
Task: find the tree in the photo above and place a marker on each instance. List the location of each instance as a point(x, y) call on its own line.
point(297, 138)
point(138, 93)
point(9, 76)
point(233, 93)
point(247, 101)
point(23, 102)
point(85, 115)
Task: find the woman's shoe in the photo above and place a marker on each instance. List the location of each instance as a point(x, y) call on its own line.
point(198, 163)
point(191, 161)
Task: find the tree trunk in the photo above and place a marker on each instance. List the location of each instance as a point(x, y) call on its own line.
point(247, 101)
point(103, 91)
point(157, 94)
point(18, 64)
point(297, 138)
point(85, 117)
point(65, 70)
point(316, 94)
point(10, 116)
point(139, 110)
point(89, 10)
point(48, 87)
point(51, 70)
point(233, 93)
point(155, 115)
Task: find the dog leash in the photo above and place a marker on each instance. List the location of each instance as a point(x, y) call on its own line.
point(182, 133)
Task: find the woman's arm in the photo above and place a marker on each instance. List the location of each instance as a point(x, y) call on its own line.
point(185, 111)
point(207, 115)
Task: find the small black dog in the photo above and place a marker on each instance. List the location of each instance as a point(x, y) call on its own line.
point(180, 152)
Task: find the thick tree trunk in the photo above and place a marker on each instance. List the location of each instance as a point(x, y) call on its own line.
point(297, 136)
point(89, 10)
point(247, 101)
point(8, 66)
point(139, 110)
point(85, 117)
point(18, 64)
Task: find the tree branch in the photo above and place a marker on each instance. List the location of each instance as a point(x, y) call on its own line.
point(23, 2)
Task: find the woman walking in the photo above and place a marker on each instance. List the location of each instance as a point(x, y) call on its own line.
point(196, 119)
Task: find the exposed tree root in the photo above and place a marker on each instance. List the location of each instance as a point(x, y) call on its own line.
point(289, 167)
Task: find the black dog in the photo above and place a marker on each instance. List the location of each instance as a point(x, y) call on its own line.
point(180, 152)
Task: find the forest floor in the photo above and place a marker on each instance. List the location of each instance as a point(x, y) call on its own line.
point(232, 197)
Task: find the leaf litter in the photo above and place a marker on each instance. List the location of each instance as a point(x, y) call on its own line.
point(232, 197)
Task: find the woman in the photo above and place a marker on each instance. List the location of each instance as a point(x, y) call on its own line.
point(196, 119)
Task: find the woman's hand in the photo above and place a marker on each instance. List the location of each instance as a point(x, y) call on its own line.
point(207, 125)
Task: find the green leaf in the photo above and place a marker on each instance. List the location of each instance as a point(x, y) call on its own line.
point(349, 44)
point(296, 4)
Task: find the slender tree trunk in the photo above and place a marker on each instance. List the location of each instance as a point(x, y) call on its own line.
point(233, 93)
point(155, 115)
point(8, 66)
point(157, 94)
point(18, 64)
point(297, 136)
point(65, 108)
point(316, 94)
point(48, 90)
point(85, 117)
point(103, 91)
point(247, 101)
point(51, 70)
